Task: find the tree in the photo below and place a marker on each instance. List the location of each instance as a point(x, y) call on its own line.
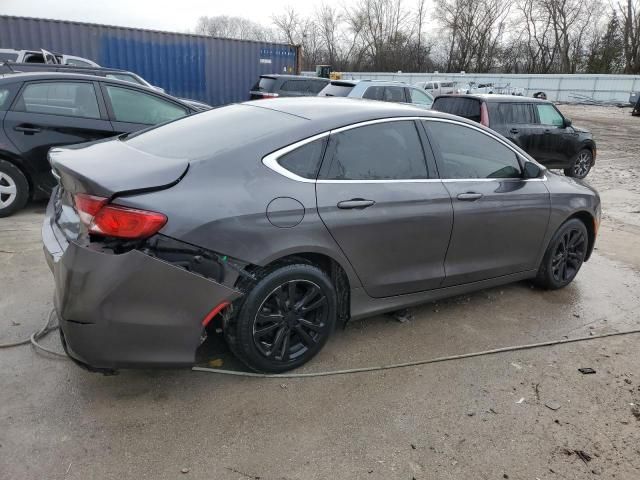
point(630, 13)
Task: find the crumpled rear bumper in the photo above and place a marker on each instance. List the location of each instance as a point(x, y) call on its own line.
point(127, 310)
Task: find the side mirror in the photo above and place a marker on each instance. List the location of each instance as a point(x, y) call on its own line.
point(567, 122)
point(531, 170)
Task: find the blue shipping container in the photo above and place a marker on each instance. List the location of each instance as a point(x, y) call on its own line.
point(214, 70)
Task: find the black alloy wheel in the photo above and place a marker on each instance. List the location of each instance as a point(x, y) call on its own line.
point(285, 319)
point(564, 256)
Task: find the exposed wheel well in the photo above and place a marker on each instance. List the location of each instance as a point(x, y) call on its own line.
point(589, 223)
point(325, 263)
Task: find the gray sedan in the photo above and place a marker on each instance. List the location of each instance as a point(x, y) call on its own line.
point(276, 221)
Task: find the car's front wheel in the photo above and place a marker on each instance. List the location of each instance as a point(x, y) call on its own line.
point(285, 319)
point(14, 189)
point(564, 256)
point(581, 164)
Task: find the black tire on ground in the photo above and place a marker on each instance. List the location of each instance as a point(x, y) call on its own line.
point(285, 319)
point(14, 189)
point(564, 256)
point(580, 165)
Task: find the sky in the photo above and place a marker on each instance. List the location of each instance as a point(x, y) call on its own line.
point(176, 15)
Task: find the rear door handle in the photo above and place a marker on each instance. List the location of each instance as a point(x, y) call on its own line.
point(514, 130)
point(357, 203)
point(27, 130)
point(469, 196)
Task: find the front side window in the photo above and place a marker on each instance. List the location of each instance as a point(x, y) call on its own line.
point(382, 151)
point(468, 153)
point(419, 97)
point(4, 97)
point(133, 106)
point(305, 160)
point(549, 115)
point(74, 99)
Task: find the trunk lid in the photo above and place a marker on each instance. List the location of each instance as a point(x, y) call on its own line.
point(110, 168)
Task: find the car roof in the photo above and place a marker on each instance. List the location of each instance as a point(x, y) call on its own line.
point(30, 76)
point(334, 112)
point(47, 66)
point(493, 98)
point(296, 77)
point(357, 81)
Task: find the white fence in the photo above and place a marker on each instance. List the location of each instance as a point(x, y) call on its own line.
point(563, 88)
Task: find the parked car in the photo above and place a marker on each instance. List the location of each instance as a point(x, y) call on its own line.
point(535, 125)
point(435, 88)
point(329, 209)
point(385, 91)
point(272, 86)
point(114, 73)
point(42, 110)
point(43, 56)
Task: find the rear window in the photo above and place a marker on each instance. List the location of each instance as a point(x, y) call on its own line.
point(300, 86)
point(211, 132)
point(265, 84)
point(8, 57)
point(461, 106)
point(337, 89)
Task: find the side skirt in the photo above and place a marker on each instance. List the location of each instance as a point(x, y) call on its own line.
point(362, 305)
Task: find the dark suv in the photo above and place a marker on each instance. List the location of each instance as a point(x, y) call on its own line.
point(271, 86)
point(535, 125)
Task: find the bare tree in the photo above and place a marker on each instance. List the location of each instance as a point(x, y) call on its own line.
point(630, 13)
point(224, 26)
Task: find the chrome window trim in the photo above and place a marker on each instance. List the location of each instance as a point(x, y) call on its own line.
point(271, 160)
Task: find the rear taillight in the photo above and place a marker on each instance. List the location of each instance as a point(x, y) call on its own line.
point(266, 95)
point(116, 221)
point(484, 114)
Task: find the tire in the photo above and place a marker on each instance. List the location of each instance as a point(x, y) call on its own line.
point(268, 335)
point(580, 165)
point(14, 189)
point(564, 256)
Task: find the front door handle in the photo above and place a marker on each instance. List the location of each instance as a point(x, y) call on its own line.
point(469, 196)
point(514, 130)
point(27, 130)
point(357, 203)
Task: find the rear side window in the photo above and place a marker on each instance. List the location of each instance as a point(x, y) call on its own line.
point(374, 93)
point(73, 99)
point(394, 94)
point(383, 151)
point(294, 86)
point(304, 161)
point(511, 113)
point(265, 84)
point(315, 86)
point(461, 106)
point(4, 98)
point(549, 115)
point(133, 106)
point(77, 62)
point(467, 153)
point(336, 89)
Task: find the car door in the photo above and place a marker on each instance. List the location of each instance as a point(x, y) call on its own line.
point(131, 109)
point(378, 199)
point(500, 218)
point(515, 121)
point(52, 113)
point(553, 142)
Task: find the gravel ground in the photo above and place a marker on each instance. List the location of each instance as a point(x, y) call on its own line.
point(519, 415)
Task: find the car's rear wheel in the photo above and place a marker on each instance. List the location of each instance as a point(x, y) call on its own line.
point(285, 319)
point(14, 189)
point(581, 165)
point(564, 256)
